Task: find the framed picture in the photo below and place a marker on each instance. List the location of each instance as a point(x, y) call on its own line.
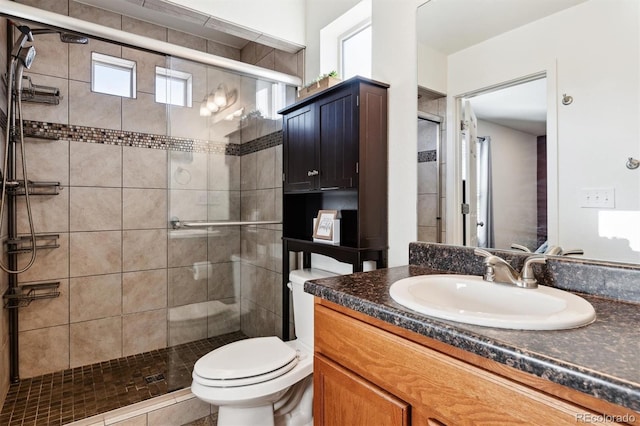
point(324, 224)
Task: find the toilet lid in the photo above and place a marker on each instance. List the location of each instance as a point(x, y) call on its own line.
point(246, 359)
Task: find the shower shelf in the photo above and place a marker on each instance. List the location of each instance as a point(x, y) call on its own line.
point(23, 244)
point(36, 188)
point(40, 94)
point(23, 295)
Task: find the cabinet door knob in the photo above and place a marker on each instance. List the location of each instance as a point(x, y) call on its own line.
point(312, 173)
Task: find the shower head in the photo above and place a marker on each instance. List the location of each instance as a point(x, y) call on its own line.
point(64, 37)
point(73, 38)
point(26, 56)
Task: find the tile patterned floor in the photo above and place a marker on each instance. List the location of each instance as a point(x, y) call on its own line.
point(65, 396)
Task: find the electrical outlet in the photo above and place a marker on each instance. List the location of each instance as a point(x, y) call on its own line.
point(601, 198)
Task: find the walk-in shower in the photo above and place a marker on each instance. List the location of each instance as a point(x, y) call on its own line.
point(162, 226)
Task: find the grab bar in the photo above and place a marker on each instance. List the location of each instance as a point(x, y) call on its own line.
point(176, 224)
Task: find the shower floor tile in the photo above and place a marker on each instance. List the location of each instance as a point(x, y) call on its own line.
point(70, 395)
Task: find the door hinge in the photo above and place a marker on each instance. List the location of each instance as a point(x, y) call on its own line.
point(357, 167)
point(283, 179)
point(463, 125)
point(464, 207)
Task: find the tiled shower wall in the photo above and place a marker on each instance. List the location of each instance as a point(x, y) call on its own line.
point(127, 279)
point(434, 104)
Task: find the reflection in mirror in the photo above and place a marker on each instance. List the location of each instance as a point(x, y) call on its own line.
point(467, 48)
point(431, 128)
point(510, 155)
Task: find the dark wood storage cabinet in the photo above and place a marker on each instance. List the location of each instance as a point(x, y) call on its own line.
point(335, 158)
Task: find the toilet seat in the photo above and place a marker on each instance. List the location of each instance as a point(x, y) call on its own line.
point(245, 362)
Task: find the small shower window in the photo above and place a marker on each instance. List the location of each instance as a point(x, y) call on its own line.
point(113, 76)
point(173, 87)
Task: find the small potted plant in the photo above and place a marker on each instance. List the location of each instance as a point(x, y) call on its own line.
point(323, 81)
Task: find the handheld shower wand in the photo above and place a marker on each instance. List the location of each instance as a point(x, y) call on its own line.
point(21, 58)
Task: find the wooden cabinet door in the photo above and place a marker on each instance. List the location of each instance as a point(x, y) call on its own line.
point(338, 147)
point(299, 150)
point(441, 390)
point(342, 398)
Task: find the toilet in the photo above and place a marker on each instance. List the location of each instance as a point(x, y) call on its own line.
point(264, 381)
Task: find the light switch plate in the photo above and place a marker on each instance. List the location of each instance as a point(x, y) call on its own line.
point(601, 198)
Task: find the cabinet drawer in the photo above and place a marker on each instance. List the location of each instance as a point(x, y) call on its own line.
point(439, 388)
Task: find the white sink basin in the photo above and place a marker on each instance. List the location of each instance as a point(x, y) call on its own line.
point(470, 299)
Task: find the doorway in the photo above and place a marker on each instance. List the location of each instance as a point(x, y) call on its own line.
point(505, 189)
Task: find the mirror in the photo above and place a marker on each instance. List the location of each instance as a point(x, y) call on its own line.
point(589, 52)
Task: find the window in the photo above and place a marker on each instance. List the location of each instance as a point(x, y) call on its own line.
point(345, 43)
point(113, 76)
point(270, 97)
point(355, 55)
point(173, 87)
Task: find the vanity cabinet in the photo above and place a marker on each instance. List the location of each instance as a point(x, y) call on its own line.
point(347, 399)
point(411, 380)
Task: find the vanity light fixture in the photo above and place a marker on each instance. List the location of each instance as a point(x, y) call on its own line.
point(217, 100)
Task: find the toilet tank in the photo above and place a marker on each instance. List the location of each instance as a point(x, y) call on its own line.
point(303, 302)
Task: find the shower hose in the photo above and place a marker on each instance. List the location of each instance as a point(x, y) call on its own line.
point(14, 107)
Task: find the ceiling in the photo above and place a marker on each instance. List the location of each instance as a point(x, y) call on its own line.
point(453, 25)
point(191, 21)
point(522, 107)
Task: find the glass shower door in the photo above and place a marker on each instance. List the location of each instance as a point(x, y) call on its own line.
point(224, 206)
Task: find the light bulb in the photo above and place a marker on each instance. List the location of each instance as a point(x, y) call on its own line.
point(212, 105)
point(204, 111)
point(220, 97)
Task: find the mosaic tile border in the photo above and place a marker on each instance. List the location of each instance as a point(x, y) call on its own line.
point(427, 156)
point(261, 143)
point(43, 130)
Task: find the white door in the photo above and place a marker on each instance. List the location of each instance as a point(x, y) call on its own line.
point(470, 170)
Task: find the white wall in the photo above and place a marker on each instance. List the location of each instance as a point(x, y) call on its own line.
point(284, 19)
point(432, 66)
point(592, 53)
point(395, 62)
point(514, 175)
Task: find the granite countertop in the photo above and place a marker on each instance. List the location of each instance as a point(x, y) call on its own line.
point(600, 359)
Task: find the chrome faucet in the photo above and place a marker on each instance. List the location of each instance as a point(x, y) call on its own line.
point(500, 271)
point(558, 251)
point(550, 250)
